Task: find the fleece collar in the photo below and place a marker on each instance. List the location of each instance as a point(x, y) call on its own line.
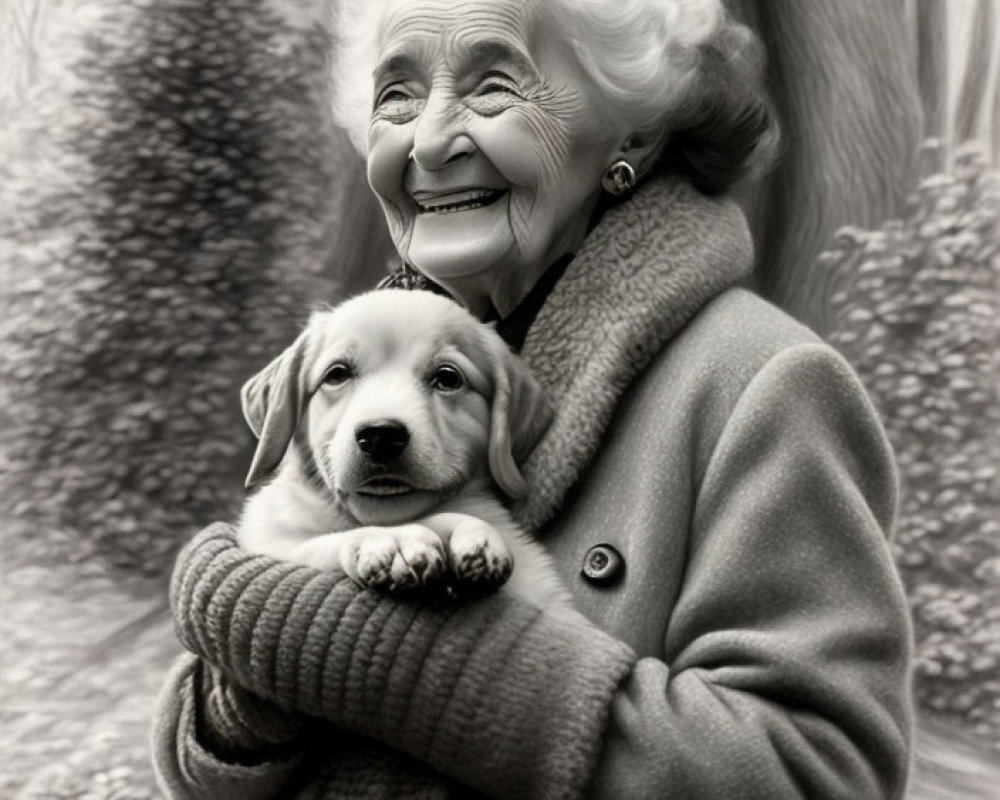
point(647, 267)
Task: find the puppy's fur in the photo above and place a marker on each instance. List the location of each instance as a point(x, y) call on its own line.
point(391, 422)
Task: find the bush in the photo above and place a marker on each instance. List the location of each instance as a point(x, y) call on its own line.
point(165, 207)
point(915, 309)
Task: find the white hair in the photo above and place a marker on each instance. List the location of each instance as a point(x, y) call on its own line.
point(642, 55)
point(355, 27)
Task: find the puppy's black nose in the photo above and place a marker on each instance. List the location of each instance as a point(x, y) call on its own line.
point(383, 440)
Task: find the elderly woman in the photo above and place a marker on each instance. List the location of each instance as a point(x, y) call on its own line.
point(715, 486)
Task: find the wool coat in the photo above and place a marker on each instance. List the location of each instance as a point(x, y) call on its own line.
point(716, 491)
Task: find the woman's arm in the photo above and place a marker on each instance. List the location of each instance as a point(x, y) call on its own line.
point(785, 670)
point(491, 692)
point(212, 739)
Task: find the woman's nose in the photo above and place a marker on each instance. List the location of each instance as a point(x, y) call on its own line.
point(440, 136)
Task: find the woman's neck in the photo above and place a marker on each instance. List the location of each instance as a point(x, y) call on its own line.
point(493, 294)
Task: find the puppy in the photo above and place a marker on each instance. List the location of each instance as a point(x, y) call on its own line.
point(386, 431)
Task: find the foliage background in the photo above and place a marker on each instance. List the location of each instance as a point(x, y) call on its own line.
point(174, 198)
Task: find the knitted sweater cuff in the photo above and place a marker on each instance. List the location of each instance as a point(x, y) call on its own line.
point(241, 727)
point(187, 767)
point(493, 692)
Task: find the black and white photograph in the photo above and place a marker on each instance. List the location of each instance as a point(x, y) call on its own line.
point(499, 399)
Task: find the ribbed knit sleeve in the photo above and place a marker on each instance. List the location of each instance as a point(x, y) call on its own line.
point(193, 764)
point(493, 691)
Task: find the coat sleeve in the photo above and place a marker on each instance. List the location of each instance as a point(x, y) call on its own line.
point(786, 657)
point(492, 692)
point(213, 740)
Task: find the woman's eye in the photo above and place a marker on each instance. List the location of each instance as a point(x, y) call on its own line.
point(397, 104)
point(497, 83)
point(447, 378)
point(392, 96)
point(339, 373)
point(494, 94)
point(493, 88)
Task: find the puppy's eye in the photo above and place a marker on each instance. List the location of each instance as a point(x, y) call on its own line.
point(447, 378)
point(338, 373)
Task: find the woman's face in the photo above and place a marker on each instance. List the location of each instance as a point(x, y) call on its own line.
point(486, 144)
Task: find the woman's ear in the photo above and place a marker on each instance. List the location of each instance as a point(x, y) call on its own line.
point(642, 149)
point(520, 415)
point(273, 401)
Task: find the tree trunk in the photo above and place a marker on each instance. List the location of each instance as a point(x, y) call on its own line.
point(932, 65)
point(995, 123)
point(973, 95)
point(842, 81)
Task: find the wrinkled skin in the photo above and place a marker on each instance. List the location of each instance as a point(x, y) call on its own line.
point(487, 145)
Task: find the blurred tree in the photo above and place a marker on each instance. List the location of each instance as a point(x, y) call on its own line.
point(917, 310)
point(169, 205)
point(994, 141)
point(932, 65)
point(841, 78)
point(19, 27)
point(973, 97)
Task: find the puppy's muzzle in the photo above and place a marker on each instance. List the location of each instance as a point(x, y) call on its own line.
point(383, 440)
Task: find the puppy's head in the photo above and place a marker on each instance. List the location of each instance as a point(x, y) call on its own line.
point(397, 399)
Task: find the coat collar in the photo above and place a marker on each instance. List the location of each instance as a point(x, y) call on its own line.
point(647, 267)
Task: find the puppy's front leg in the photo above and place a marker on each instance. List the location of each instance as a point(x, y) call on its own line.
point(485, 552)
point(389, 558)
point(477, 551)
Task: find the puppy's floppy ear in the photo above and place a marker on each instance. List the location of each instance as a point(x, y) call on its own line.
point(520, 415)
point(273, 402)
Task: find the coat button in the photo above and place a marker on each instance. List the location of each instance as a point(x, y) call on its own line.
point(603, 565)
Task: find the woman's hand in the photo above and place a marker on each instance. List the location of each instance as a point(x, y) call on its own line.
point(240, 726)
point(493, 692)
point(214, 740)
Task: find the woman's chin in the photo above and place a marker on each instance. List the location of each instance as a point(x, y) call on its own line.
point(461, 245)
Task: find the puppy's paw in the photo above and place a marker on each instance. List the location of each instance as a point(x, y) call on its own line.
point(423, 557)
point(477, 553)
point(394, 559)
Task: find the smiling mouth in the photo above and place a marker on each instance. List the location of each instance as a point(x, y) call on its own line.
point(384, 486)
point(458, 201)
